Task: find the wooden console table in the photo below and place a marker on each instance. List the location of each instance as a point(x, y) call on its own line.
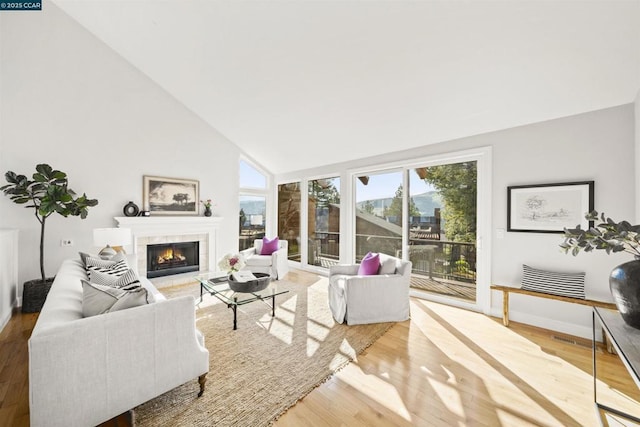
point(626, 341)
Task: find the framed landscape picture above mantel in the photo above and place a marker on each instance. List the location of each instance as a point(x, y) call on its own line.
point(549, 208)
point(170, 196)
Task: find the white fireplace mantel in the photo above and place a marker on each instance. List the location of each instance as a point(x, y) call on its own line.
point(152, 225)
point(143, 228)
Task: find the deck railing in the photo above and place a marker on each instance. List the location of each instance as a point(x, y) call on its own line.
point(433, 258)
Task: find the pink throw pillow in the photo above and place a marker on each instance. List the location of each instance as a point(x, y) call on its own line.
point(269, 246)
point(369, 265)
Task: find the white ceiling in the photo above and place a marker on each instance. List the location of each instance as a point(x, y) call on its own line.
point(300, 84)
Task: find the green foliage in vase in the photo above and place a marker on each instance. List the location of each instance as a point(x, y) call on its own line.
point(607, 235)
point(46, 193)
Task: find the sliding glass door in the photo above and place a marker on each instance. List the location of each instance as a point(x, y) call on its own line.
point(442, 237)
point(425, 214)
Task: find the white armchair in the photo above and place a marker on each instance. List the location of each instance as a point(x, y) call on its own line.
point(276, 264)
point(370, 299)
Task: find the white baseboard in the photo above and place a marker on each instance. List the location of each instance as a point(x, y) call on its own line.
point(543, 322)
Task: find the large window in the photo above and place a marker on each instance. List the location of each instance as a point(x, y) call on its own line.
point(252, 219)
point(253, 205)
point(289, 217)
point(323, 221)
point(378, 211)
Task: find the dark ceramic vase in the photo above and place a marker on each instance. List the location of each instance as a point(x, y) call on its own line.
point(207, 211)
point(130, 209)
point(624, 283)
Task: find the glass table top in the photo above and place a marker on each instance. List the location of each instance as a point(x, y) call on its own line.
point(217, 285)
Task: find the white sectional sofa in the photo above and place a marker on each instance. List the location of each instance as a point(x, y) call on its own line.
point(84, 371)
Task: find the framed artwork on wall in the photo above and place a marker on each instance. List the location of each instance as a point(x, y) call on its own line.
point(549, 208)
point(170, 196)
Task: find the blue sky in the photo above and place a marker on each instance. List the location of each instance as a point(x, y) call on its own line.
point(385, 185)
point(251, 178)
point(380, 185)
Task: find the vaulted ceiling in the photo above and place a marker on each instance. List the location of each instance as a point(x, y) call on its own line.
point(300, 84)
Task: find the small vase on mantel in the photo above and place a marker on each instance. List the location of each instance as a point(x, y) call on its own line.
point(207, 211)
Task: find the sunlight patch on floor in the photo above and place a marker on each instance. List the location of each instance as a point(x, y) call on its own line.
point(448, 395)
point(376, 389)
point(473, 343)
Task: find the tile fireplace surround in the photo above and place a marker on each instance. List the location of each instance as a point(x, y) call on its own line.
point(172, 229)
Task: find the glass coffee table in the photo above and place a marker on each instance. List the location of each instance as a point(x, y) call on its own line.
point(218, 286)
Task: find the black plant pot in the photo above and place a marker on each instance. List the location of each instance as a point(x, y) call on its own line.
point(624, 283)
point(34, 294)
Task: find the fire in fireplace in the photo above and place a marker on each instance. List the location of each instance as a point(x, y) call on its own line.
point(172, 258)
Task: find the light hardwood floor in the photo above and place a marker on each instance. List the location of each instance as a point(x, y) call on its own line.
point(444, 367)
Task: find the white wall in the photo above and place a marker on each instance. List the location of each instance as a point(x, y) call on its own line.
point(70, 101)
point(593, 146)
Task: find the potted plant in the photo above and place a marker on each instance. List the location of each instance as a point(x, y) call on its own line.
point(46, 193)
point(612, 237)
point(207, 206)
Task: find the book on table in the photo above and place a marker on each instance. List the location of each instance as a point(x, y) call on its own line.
point(243, 276)
point(217, 280)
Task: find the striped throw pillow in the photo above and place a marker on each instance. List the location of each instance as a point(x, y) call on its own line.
point(116, 266)
point(553, 282)
point(127, 281)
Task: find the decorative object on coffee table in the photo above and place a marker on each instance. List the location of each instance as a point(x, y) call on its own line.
point(257, 284)
point(47, 193)
point(611, 236)
point(231, 263)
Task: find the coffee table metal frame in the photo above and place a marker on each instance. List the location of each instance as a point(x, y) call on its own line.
point(219, 288)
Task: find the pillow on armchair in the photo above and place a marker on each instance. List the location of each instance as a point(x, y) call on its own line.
point(269, 246)
point(369, 265)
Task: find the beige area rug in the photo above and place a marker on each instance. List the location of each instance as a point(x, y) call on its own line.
point(265, 366)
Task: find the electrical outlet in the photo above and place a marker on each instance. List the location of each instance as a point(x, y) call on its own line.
point(66, 242)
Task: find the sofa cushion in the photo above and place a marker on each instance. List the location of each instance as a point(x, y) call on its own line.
point(127, 281)
point(369, 265)
point(97, 261)
point(117, 266)
point(259, 260)
point(84, 256)
point(99, 299)
point(387, 265)
point(269, 246)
